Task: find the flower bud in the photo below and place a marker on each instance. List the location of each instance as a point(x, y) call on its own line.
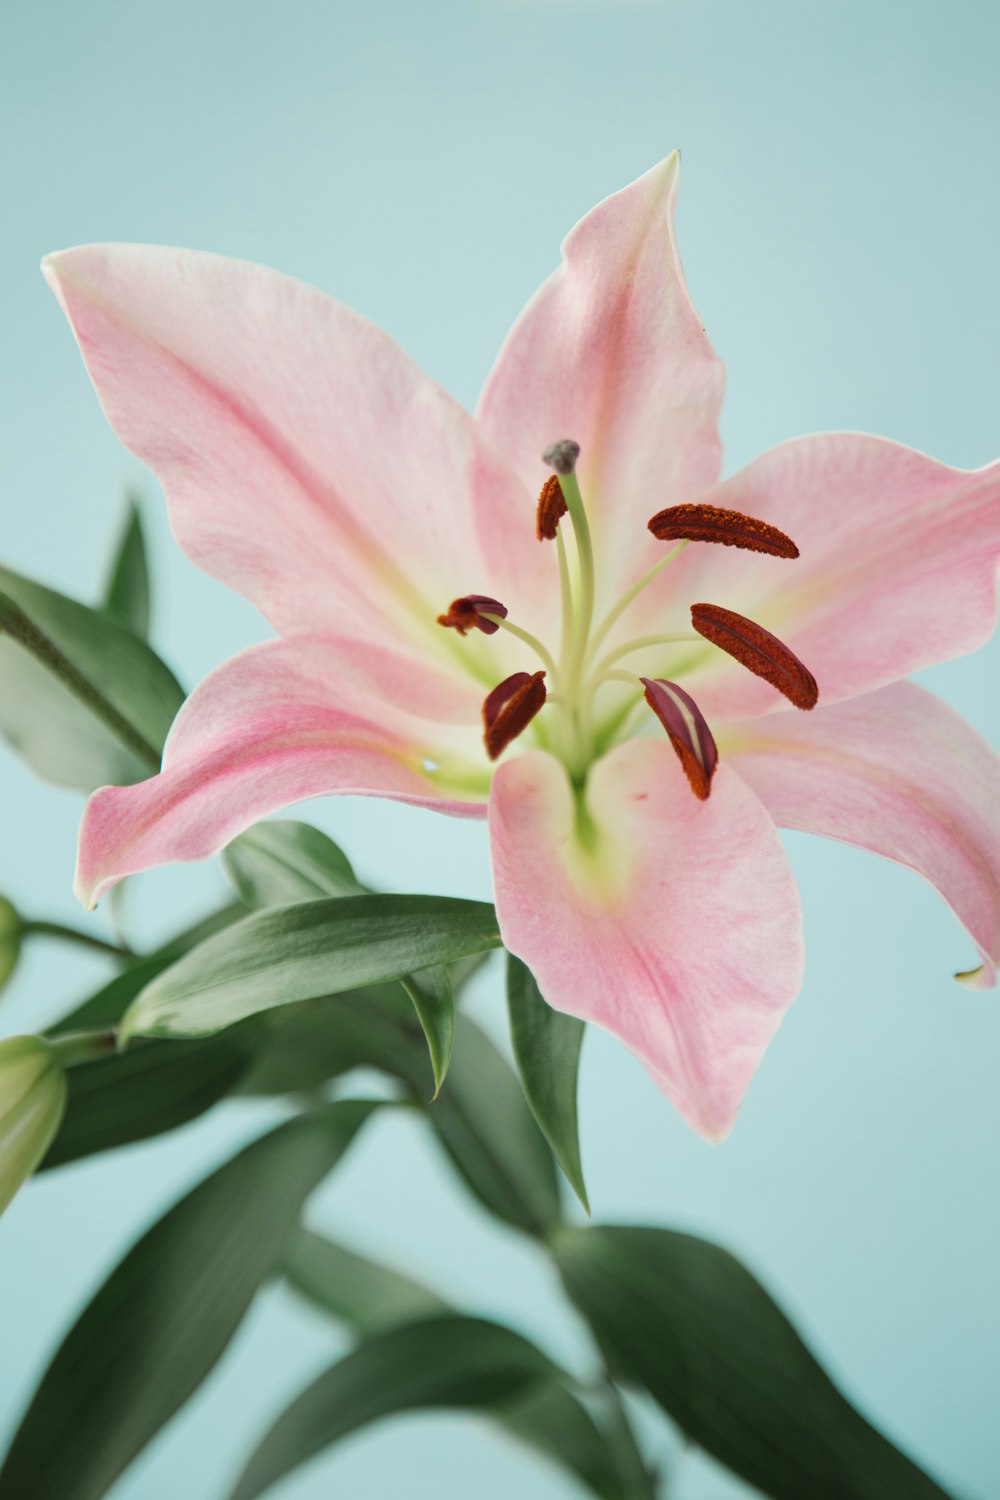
point(32, 1100)
point(11, 932)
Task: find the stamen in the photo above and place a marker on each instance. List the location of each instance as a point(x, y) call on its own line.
point(562, 456)
point(469, 611)
point(551, 509)
point(687, 731)
point(510, 708)
point(713, 523)
point(758, 650)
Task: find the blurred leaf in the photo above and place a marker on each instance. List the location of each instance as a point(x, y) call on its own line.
point(274, 864)
point(364, 1294)
point(126, 598)
point(32, 1098)
point(547, 1050)
point(151, 1088)
point(369, 1297)
point(446, 1361)
point(685, 1319)
point(83, 701)
point(166, 1313)
point(484, 1124)
point(315, 948)
point(11, 936)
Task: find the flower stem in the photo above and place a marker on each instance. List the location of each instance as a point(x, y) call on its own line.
point(74, 935)
point(75, 1047)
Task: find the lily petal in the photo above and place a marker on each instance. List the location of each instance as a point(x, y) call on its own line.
point(897, 772)
point(294, 440)
point(265, 730)
point(672, 923)
point(897, 570)
point(610, 352)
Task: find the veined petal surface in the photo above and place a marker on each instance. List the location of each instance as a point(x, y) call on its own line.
point(307, 461)
point(897, 772)
point(898, 566)
point(265, 730)
point(610, 352)
point(671, 922)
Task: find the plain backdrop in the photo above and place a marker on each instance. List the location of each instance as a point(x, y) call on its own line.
point(839, 224)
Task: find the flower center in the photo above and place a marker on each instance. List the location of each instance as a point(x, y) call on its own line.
point(579, 671)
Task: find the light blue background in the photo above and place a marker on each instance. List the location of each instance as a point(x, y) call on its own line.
point(839, 224)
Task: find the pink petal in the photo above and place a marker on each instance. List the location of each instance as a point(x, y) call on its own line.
point(671, 922)
point(896, 772)
point(306, 460)
point(897, 570)
point(610, 352)
point(263, 731)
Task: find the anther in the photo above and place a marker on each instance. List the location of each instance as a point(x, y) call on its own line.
point(510, 708)
point(713, 523)
point(467, 613)
point(758, 650)
point(687, 731)
point(551, 509)
point(562, 456)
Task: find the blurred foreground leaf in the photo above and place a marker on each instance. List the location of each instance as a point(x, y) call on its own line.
point(11, 938)
point(166, 1313)
point(446, 1361)
point(547, 1049)
point(685, 1319)
point(126, 598)
point(32, 1098)
point(362, 1293)
point(83, 701)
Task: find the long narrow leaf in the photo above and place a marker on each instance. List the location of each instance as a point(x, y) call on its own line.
point(685, 1319)
point(164, 1316)
point(547, 1050)
point(315, 948)
point(127, 596)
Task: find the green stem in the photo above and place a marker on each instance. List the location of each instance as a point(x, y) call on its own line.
point(74, 935)
point(617, 610)
point(15, 623)
point(75, 1047)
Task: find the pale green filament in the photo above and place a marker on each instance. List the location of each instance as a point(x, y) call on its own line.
point(528, 639)
point(617, 610)
point(640, 644)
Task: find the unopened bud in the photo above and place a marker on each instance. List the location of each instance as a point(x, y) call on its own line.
point(32, 1100)
point(11, 934)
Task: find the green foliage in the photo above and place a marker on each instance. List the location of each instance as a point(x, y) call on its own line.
point(547, 1050)
point(127, 595)
point(11, 936)
point(168, 1310)
point(85, 703)
point(32, 1099)
point(687, 1321)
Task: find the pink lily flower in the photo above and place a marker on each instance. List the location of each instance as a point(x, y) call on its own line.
point(630, 696)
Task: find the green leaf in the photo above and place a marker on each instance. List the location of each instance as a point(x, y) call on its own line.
point(434, 1003)
point(486, 1128)
point(315, 948)
point(274, 864)
point(685, 1319)
point(164, 1316)
point(32, 1098)
point(363, 1293)
point(547, 1051)
point(84, 702)
point(151, 1088)
point(446, 1361)
point(126, 598)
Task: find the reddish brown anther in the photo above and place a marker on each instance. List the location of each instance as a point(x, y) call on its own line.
point(687, 731)
point(467, 613)
point(551, 509)
point(758, 650)
point(713, 523)
point(510, 708)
